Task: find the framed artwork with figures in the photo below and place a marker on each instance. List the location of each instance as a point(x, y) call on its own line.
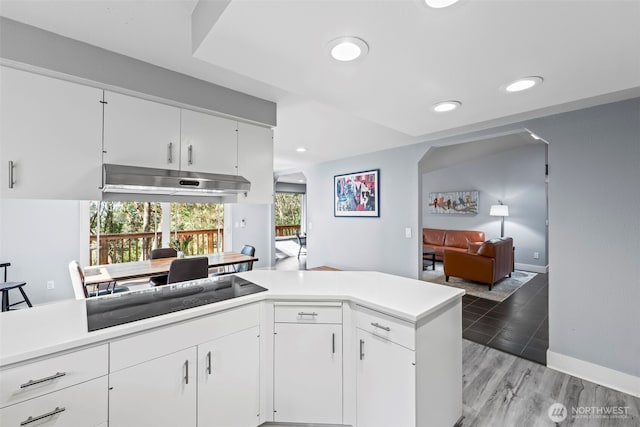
point(357, 194)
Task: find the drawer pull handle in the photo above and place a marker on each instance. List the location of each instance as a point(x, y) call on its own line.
point(361, 349)
point(40, 417)
point(43, 380)
point(377, 325)
point(302, 313)
point(333, 343)
point(11, 181)
point(186, 371)
point(209, 363)
point(170, 152)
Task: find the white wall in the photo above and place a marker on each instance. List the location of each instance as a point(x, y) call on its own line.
point(39, 238)
point(514, 176)
point(367, 243)
point(258, 230)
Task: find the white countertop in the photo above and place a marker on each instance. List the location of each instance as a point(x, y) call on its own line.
point(50, 328)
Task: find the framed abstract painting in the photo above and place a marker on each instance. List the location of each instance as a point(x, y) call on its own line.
point(357, 194)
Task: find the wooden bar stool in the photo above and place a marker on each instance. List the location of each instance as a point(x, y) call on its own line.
point(5, 287)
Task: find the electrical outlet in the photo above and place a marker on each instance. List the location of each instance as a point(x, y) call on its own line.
point(536, 255)
point(51, 284)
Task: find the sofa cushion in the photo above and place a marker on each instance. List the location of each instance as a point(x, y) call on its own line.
point(487, 249)
point(433, 236)
point(462, 238)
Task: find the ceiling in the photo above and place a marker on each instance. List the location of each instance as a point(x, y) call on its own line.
point(586, 51)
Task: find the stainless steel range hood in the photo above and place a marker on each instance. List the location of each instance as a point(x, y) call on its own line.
point(150, 181)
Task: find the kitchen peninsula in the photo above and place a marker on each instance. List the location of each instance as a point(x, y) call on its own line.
point(354, 348)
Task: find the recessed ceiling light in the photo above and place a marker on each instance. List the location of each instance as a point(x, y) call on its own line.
point(523, 84)
point(301, 149)
point(444, 106)
point(348, 48)
point(439, 4)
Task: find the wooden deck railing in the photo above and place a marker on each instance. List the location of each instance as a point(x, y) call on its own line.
point(137, 246)
point(287, 230)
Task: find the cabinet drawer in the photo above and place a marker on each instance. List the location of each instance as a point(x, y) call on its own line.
point(35, 379)
point(80, 405)
point(296, 312)
point(385, 326)
point(156, 343)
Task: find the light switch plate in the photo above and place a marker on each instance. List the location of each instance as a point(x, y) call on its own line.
point(407, 232)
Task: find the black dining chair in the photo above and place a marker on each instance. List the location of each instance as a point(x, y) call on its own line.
point(182, 270)
point(161, 279)
point(5, 287)
point(302, 242)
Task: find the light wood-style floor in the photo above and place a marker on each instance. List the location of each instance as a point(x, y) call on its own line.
point(500, 389)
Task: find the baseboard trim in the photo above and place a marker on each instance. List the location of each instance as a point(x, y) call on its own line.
point(532, 267)
point(604, 376)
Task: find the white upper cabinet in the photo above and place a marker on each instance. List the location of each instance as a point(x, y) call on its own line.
point(141, 133)
point(255, 162)
point(51, 132)
point(209, 143)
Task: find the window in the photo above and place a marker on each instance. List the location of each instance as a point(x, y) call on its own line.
point(128, 231)
point(288, 212)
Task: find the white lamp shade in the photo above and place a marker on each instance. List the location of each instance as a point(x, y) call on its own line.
point(499, 210)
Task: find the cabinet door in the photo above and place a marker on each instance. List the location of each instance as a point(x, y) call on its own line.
point(308, 373)
point(255, 162)
point(84, 404)
point(385, 379)
point(157, 393)
point(141, 133)
point(229, 380)
point(52, 132)
point(209, 143)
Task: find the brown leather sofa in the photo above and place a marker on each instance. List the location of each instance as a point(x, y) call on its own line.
point(488, 262)
point(455, 240)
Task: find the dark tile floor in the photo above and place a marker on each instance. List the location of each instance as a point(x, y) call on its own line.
point(518, 325)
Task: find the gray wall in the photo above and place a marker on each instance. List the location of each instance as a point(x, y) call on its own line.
point(367, 243)
point(594, 226)
point(62, 56)
point(594, 234)
point(515, 176)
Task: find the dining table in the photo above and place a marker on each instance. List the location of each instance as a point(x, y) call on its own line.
point(107, 273)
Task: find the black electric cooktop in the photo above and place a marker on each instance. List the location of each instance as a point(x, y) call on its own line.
point(118, 309)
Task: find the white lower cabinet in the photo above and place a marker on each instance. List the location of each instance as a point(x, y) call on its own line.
point(308, 365)
point(385, 378)
point(202, 372)
point(83, 404)
point(160, 392)
point(229, 380)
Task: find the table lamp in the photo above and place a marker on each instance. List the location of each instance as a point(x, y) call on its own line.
point(500, 210)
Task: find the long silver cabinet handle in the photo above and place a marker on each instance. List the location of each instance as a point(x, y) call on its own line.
point(377, 325)
point(302, 313)
point(40, 417)
point(43, 380)
point(333, 343)
point(186, 371)
point(190, 151)
point(209, 363)
point(11, 181)
point(170, 150)
point(361, 349)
